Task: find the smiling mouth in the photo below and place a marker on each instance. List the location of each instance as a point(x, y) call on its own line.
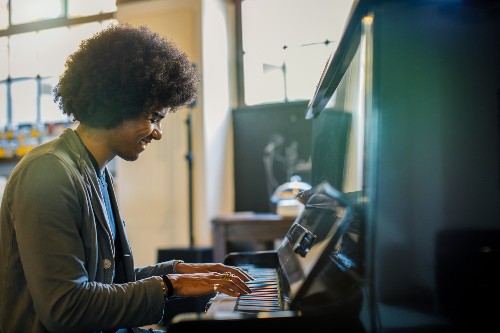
point(144, 143)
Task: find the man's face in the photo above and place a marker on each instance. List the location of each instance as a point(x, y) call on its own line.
point(130, 138)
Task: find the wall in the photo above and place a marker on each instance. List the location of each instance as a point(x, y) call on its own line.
point(153, 191)
point(216, 190)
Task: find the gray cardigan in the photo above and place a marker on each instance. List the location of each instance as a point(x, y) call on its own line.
point(56, 251)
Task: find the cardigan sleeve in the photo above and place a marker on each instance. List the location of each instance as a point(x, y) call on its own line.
point(158, 269)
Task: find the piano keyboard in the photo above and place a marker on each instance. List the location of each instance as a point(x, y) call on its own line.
point(265, 296)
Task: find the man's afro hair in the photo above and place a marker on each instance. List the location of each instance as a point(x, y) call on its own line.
point(122, 72)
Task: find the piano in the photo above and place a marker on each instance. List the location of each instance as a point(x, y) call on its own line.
point(313, 277)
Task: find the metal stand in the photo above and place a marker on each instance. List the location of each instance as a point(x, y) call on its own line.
point(189, 158)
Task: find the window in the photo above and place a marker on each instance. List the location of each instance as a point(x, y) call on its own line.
point(36, 37)
point(284, 46)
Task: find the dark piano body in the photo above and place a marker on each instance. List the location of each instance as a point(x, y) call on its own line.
point(313, 279)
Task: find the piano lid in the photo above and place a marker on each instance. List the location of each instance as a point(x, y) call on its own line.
point(337, 63)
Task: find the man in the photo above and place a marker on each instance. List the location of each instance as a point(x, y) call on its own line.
point(65, 260)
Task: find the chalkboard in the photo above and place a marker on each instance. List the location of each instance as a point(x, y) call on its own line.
point(271, 144)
